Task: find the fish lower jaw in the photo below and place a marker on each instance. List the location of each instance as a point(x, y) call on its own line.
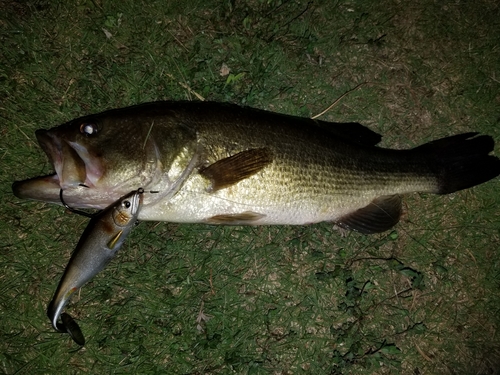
point(48, 188)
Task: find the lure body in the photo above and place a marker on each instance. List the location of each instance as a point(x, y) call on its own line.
point(99, 243)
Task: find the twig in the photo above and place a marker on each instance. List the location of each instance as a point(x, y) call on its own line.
point(147, 135)
point(338, 100)
point(426, 357)
point(187, 87)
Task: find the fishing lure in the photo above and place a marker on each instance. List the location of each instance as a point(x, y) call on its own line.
point(99, 243)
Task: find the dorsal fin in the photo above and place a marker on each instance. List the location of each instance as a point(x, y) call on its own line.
point(233, 169)
point(380, 215)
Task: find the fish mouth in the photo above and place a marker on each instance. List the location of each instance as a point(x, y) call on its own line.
point(77, 172)
point(73, 164)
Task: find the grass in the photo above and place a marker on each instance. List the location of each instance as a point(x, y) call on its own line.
point(198, 299)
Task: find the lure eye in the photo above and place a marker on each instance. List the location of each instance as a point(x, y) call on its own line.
point(126, 204)
point(88, 128)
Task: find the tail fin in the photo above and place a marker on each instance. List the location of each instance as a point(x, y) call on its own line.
point(461, 161)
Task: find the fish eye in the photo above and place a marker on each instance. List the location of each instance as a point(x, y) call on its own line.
point(88, 128)
point(126, 204)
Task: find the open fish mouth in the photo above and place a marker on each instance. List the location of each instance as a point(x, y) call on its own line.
point(77, 172)
point(73, 164)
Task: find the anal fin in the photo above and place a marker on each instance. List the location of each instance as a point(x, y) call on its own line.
point(235, 168)
point(380, 215)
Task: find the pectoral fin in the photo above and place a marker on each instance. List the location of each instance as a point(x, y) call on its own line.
point(380, 215)
point(235, 168)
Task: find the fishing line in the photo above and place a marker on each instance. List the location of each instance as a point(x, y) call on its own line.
point(89, 215)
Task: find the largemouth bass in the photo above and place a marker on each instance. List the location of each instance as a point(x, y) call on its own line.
point(224, 164)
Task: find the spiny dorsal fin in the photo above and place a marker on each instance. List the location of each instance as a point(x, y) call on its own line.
point(233, 169)
point(380, 215)
point(244, 218)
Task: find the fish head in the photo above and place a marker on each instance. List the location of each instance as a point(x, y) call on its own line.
point(96, 159)
point(97, 151)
